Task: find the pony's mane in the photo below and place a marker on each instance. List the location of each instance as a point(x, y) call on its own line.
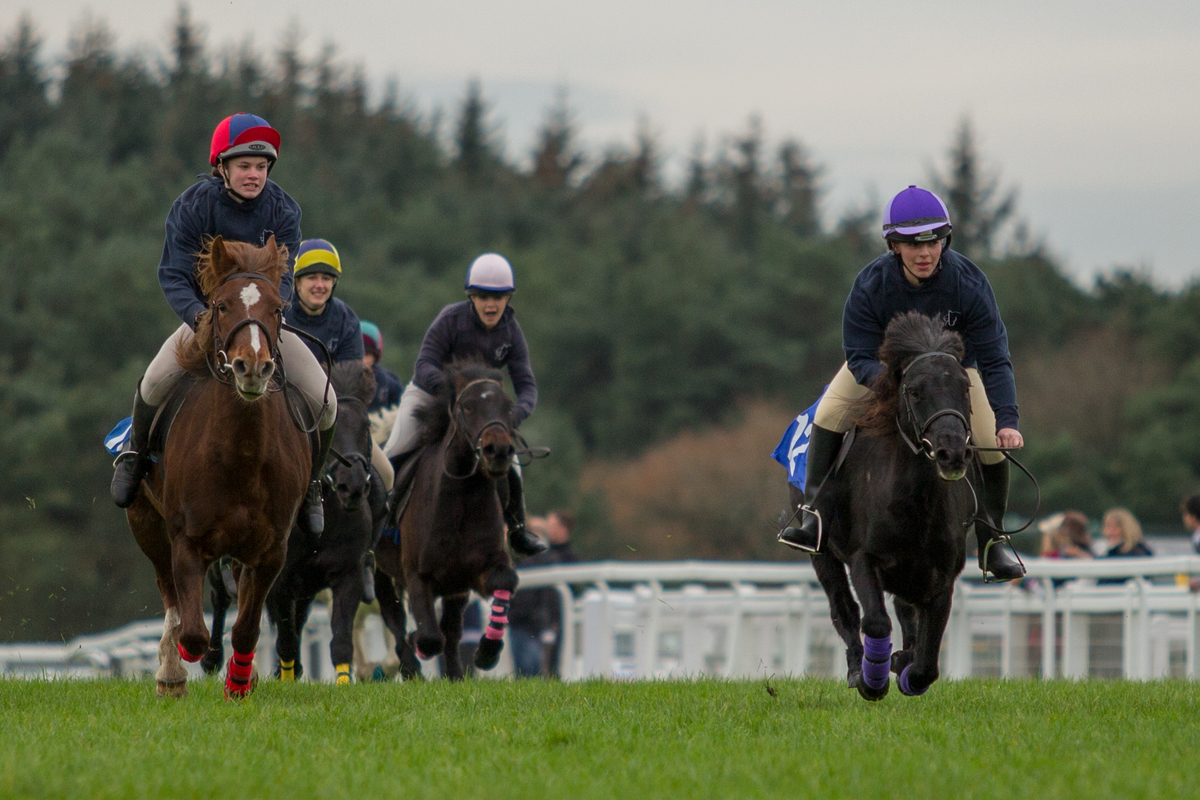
point(352, 379)
point(908, 335)
point(210, 273)
point(435, 418)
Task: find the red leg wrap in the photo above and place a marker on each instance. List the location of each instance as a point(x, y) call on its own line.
point(188, 657)
point(237, 676)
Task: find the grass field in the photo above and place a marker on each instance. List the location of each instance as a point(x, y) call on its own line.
point(532, 739)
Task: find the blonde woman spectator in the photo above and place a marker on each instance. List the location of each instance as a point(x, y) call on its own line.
point(1124, 534)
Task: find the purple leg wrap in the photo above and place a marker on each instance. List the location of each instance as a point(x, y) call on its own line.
point(905, 688)
point(876, 663)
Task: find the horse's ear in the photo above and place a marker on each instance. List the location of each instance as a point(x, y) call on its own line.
point(222, 262)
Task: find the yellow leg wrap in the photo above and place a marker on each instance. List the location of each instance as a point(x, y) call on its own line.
point(343, 674)
point(287, 670)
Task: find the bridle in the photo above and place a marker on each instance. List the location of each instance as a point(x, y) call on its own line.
point(222, 370)
point(458, 423)
point(918, 443)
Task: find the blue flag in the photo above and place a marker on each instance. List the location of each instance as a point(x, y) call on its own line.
point(118, 437)
point(792, 451)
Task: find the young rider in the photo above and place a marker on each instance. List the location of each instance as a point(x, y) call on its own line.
point(920, 272)
point(239, 203)
point(318, 313)
point(483, 326)
point(387, 386)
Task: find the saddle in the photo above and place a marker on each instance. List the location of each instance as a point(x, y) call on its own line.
point(402, 489)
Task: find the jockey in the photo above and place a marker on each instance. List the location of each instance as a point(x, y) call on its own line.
point(387, 385)
point(239, 203)
point(920, 272)
point(482, 326)
point(318, 313)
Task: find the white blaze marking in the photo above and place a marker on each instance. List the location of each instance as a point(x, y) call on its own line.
point(250, 296)
point(254, 337)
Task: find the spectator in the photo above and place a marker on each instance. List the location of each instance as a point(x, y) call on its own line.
point(1190, 508)
point(535, 616)
point(1071, 540)
point(1048, 527)
point(1123, 534)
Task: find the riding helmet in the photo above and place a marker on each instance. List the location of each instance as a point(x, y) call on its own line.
point(244, 135)
point(372, 338)
point(491, 272)
point(916, 215)
point(317, 255)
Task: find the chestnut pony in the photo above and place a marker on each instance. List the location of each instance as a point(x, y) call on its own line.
point(451, 537)
point(234, 468)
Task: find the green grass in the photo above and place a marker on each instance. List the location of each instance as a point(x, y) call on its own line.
point(532, 739)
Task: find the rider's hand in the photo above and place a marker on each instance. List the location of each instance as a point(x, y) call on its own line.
point(1009, 437)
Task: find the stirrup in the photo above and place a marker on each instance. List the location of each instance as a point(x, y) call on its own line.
point(820, 531)
point(990, 577)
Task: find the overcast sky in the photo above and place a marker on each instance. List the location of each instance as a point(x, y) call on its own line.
point(1090, 108)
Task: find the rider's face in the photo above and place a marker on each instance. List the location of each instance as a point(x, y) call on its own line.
point(920, 260)
point(246, 175)
point(490, 306)
point(314, 291)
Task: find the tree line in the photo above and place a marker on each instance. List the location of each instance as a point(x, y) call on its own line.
point(651, 309)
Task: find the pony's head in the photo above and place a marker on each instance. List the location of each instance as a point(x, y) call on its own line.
point(483, 412)
point(350, 479)
point(923, 391)
point(240, 330)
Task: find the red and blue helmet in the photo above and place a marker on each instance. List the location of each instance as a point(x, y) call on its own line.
point(244, 135)
point(372, 338)
point(916, 215)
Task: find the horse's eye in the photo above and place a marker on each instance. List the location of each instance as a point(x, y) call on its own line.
point(467, 410)
point(221, 307)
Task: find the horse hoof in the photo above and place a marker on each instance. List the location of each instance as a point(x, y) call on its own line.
point(866, 692)
point(906, 688)
point(172, 689)
point(900, 660)
point(427, 647)
point(212, 661)
point(378, 675)
point(488, 654)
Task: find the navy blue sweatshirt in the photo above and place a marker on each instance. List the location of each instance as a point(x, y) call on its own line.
point(337, 327)
point(387, 388)
point(960, 294)
point(206, 210)
point(459, 333)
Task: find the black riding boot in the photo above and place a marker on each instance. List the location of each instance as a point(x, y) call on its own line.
point(313, 513)
point(997, 558)
point(823, 447)
point(132, 465)
point(520, 539)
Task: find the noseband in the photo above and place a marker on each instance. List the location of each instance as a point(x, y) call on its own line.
point(925, 447)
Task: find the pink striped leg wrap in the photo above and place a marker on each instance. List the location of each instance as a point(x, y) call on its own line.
point(237, 677)
point(499, 617)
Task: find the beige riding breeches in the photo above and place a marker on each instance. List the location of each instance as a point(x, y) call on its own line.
point(303, 370)
point(406, 427)
point(833, 412)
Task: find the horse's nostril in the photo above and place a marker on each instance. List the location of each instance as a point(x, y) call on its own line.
point(239, 366)
point(268, 369)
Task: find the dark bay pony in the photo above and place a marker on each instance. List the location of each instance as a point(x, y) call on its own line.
point(899, 509)
point(452, 531)
point(355, 506)
point(234, 468)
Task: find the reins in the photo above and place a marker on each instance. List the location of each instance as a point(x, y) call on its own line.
point(458, 425)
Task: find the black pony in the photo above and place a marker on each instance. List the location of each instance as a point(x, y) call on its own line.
point(355, 502)
point(451, 534)
point(898, 510)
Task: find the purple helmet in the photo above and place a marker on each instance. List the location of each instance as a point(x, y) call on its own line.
point(916, 215)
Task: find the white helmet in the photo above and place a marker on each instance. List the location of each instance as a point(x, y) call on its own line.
point(491, 272)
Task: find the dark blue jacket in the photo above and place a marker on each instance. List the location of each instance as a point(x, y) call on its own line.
point(337, 327)
point(206, 210)
point(459, 333)
point(387, 388)
point(960, 294)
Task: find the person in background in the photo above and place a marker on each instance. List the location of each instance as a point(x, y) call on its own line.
point(1190, 509)
point(1072, 540)
point(1124, 534)
point(535, 616)
point(387, 385)
point(1048, 527)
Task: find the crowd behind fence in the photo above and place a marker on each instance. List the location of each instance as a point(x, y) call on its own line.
point(666, 620)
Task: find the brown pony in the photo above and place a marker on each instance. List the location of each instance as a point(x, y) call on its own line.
point(451, 536)
point(233, 470)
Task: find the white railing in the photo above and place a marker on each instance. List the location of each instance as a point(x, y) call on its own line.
point(638, 620)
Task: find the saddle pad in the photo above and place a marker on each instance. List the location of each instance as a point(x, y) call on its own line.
point(792, 450)
point(116, 441)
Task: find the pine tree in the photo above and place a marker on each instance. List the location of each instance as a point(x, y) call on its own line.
point(24, 108)
point(977, 209)
point(556, 157)
point(796, 204)
point(474, 137)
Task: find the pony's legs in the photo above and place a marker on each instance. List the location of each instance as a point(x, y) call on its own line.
point(189, 569)
point(347, 592)
point(499, 584)
point(923, 671)
point(253, 587)
point(171, 675)
point(220, 598)
point(281, 609)
point(391, 608)
point(908, 616)
point(876, 628)
point(452, 629)
point(428, 639)
point(151, 536)
point(842, 609)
